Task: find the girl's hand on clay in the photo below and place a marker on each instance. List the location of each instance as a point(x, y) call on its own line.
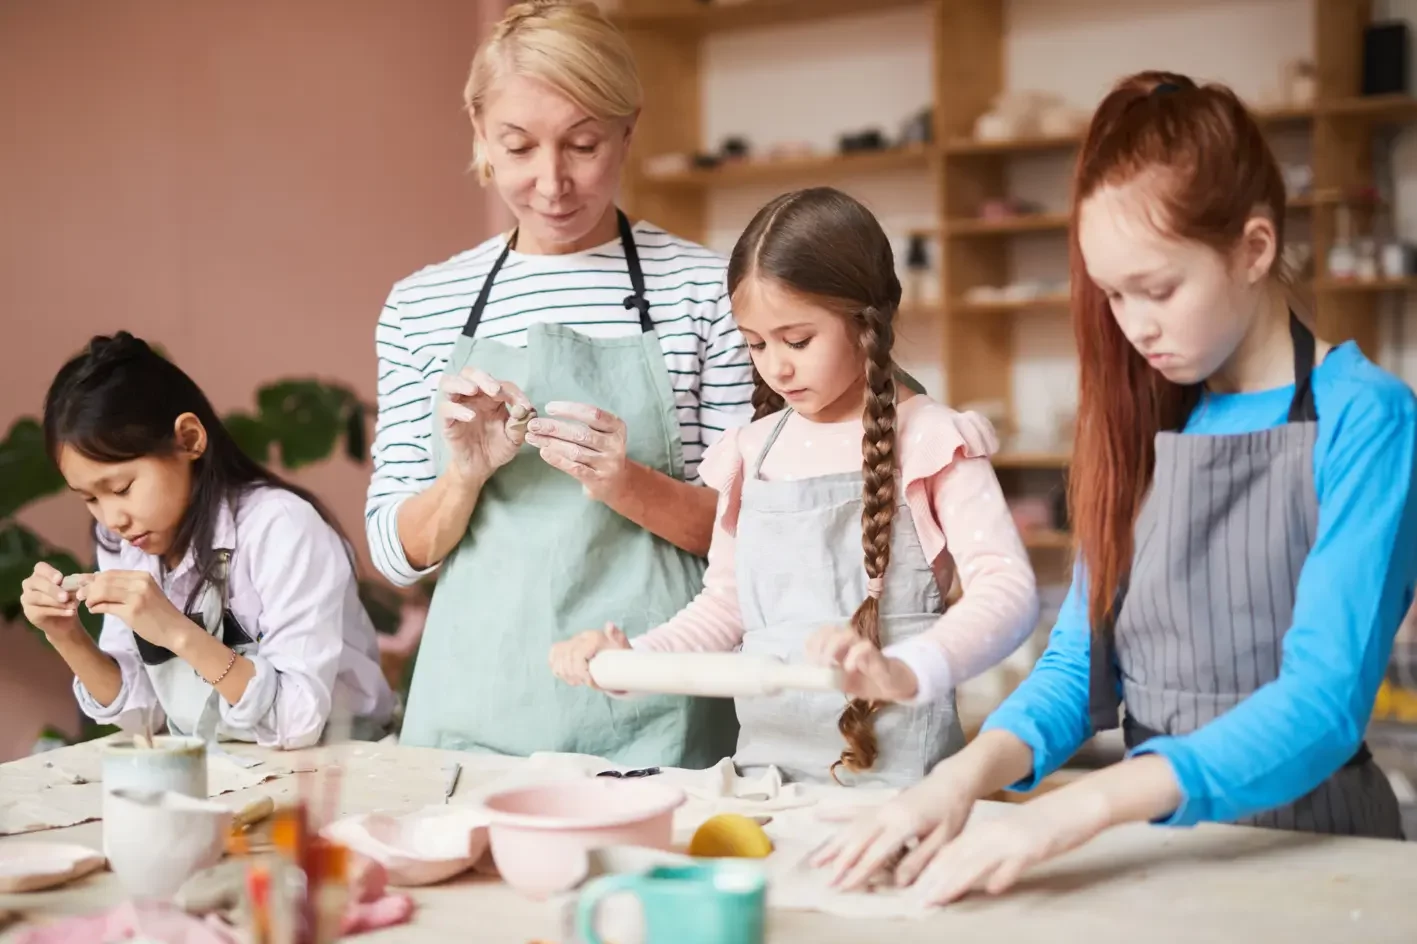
point(47, 604)
point(586, 443)
point(933, 812)
point(136, 599)
point(869, 674)
point(993, 854)
point(474, 412)
point(570, 660)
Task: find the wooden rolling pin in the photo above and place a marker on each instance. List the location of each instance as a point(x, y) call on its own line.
point(708, 674)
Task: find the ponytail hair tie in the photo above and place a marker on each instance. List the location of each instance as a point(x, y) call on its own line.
point(875, 587)
point(1166, 88)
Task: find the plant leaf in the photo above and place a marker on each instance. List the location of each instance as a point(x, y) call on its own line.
point(250, 434)
point(356, 440)
point(26, 474)
point(305, 417)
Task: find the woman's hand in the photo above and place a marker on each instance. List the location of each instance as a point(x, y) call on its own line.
point(136, 599)
point(586, 443)
point(869, 674)
point(993, 854)
point(46, 604)
point(934, 810)
point(472, 412)
point(570, 660)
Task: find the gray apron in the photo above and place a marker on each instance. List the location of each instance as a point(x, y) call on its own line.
point(190, 702)
point(1200, 622)
point(799, 567)
point(541, 562)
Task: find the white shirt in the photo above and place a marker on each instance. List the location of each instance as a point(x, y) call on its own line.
point(709, 368)
point(294, 592)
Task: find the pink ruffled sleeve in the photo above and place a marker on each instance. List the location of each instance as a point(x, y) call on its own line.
point(958, 505)
point(712, 622)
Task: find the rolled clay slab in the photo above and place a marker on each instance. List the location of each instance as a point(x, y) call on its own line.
point(74, 581)
point(708, 674)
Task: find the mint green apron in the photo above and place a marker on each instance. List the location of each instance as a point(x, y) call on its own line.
point(541, 562)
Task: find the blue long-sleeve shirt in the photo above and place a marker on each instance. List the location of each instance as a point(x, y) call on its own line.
point(1290, 735)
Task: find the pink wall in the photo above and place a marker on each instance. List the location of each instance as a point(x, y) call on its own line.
point(241, 180)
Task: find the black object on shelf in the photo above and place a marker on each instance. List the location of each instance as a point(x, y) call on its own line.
point(706, 161)
point(869, 140)
point(734, 147)
point(916, 256)
point(1385, 58)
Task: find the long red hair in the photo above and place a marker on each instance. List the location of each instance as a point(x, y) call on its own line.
point(1209, 171)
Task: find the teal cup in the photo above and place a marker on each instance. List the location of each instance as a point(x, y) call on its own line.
point(721, 902)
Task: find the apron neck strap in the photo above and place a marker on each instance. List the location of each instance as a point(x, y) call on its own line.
point(1302, 408)
point(772, 438)
point(636, 299)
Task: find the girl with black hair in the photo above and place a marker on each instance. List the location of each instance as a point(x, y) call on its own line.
point(229, 598)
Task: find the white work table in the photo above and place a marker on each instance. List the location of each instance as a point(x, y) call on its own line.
point(1212, 883)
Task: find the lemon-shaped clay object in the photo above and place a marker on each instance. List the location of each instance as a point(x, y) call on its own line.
point(730, 836)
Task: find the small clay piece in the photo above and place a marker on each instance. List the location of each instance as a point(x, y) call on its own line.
point(520, 417)
point(75, 581)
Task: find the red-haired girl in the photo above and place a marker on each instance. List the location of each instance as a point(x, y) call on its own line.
point(1243, 500)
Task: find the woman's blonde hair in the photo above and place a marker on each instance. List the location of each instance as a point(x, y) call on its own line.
point(569, 45)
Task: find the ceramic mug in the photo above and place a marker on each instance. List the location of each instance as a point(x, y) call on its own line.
point(722, 902)
point(178, 764)
point(156, 840)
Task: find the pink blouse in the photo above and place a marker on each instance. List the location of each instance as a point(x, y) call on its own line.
point(959, 514)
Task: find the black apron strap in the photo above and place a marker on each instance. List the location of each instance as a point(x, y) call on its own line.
point(474, 317)
point(1302, 408)
point(637, 299)
point(1103, 700)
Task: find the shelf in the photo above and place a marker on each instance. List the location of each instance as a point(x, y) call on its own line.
point(1375, 108)
point(1024, 223)
point(693, 16)
point(1047, 540)
point(800, 170)
point(1031, 460)
point(968, 146)
point(1354, 285)
point(1041, 303)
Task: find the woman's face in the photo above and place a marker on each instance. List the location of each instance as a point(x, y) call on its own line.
point(555, 166)
point(1185, 307)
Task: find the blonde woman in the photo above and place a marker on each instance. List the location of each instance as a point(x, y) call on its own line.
point(544, 400)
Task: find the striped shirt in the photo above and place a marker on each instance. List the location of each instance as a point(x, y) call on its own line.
point(708, 363)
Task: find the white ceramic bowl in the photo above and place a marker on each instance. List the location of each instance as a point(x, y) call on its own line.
point(155, 841)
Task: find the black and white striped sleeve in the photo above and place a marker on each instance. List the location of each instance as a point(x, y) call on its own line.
point(726, 377)
point(401, 452)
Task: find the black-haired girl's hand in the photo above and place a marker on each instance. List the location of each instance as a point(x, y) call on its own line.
point(473, 419)
point(52, 609)
point(136, 599)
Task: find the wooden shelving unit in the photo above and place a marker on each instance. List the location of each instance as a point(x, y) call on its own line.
point(968, 52)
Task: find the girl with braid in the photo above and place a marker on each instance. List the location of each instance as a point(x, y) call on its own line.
point(845, 511)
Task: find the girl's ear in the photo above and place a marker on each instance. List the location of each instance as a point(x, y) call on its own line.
point(190, 435)
point(1259, 245)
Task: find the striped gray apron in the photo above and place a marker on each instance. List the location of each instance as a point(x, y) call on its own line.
point(799, 567)
point(1200, 621)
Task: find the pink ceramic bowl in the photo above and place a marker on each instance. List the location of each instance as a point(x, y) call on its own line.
point(540, 835)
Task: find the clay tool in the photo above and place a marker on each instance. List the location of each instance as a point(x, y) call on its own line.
point(708, 674)
point(451, 771)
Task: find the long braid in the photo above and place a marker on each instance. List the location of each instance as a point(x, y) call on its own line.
point(878, 497)
point(766, 401)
